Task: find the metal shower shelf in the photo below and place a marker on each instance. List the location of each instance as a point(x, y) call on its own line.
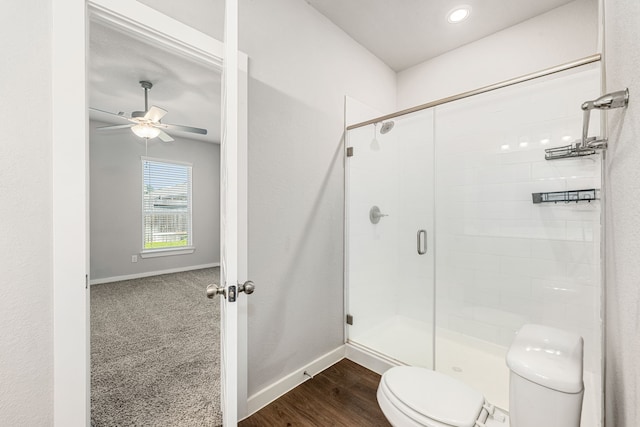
point(566, 152)
point(566, 196)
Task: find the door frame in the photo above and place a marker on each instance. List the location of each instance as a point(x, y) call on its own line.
point(70, 177)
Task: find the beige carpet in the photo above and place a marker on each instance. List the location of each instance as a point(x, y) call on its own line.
point(155, 352)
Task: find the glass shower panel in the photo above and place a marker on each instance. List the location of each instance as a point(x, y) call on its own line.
point(503, 261)
point(391, 258)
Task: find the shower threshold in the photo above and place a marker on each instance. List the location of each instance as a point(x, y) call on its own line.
point(477, 363)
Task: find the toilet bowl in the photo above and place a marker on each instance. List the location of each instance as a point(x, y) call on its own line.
point(545, 388)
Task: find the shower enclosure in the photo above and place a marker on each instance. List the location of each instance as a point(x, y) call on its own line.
point(447, 256)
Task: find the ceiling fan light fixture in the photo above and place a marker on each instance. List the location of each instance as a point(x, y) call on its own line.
point(458, 14)
point(145, 131)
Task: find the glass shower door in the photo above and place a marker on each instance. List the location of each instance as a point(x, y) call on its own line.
point(390, 223)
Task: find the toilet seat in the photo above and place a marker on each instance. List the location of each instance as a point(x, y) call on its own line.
point(413, 396)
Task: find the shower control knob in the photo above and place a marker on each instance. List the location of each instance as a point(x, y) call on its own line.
point(375, 215)
point(247, 287)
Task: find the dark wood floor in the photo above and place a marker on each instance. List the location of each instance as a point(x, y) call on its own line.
point(343, 395)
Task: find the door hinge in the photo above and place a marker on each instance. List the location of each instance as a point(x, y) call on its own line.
point(349, 151)
point(349, 319)
point(86, 281)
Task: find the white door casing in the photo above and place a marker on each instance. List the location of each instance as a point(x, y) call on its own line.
point(71, 18)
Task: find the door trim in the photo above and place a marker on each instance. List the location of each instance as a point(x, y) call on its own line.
point(70, 171)
point(69, 154)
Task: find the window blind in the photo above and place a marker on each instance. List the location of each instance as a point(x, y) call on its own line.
point(166, 205)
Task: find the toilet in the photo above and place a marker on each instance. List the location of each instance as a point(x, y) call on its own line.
point(545, 388)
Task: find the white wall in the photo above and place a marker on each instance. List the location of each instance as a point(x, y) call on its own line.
point(561, 35)
point(26, 310)
point(503, 260)
point(622, 50)
point(301, 67)
point(208, 17)
point(116, 206)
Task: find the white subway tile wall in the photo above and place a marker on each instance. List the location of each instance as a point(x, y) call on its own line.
point(501, 260)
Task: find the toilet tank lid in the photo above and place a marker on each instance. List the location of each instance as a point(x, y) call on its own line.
point(548, 356)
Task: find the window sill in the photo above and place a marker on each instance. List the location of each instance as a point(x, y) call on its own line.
point(153, 253)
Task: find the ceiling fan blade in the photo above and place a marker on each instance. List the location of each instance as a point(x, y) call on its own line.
point(164, 136)
point(115, 127)
point(155, 114)
point(120, 116)
point(183, 128)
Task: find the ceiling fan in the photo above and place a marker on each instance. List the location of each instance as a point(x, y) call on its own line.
point(146, 124)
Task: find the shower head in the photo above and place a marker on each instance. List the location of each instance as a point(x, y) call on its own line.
point(611, 100)
point(606, 102)
point(387, 126)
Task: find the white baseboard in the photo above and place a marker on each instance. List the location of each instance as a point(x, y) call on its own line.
point(270, 393)
point(370, 360)
point(152, 273)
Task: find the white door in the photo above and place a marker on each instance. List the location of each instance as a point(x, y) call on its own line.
point(232, 221)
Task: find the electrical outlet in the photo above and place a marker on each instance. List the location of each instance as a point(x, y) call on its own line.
point(134, 258)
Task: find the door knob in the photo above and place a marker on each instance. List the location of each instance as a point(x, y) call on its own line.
point(213, 290)
point(247, 287)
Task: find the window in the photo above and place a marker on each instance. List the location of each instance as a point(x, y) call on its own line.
point(166, 205)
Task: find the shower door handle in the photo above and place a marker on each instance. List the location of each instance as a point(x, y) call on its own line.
point(422, 242)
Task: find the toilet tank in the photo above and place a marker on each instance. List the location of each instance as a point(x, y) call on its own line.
point(545, 383)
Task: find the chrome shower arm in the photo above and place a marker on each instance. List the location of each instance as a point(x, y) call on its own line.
point(611, 100)
point(608, 101)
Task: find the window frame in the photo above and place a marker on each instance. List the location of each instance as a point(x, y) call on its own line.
point(178, 250)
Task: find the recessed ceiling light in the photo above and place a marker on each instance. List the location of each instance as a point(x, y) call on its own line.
point(458, 14)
